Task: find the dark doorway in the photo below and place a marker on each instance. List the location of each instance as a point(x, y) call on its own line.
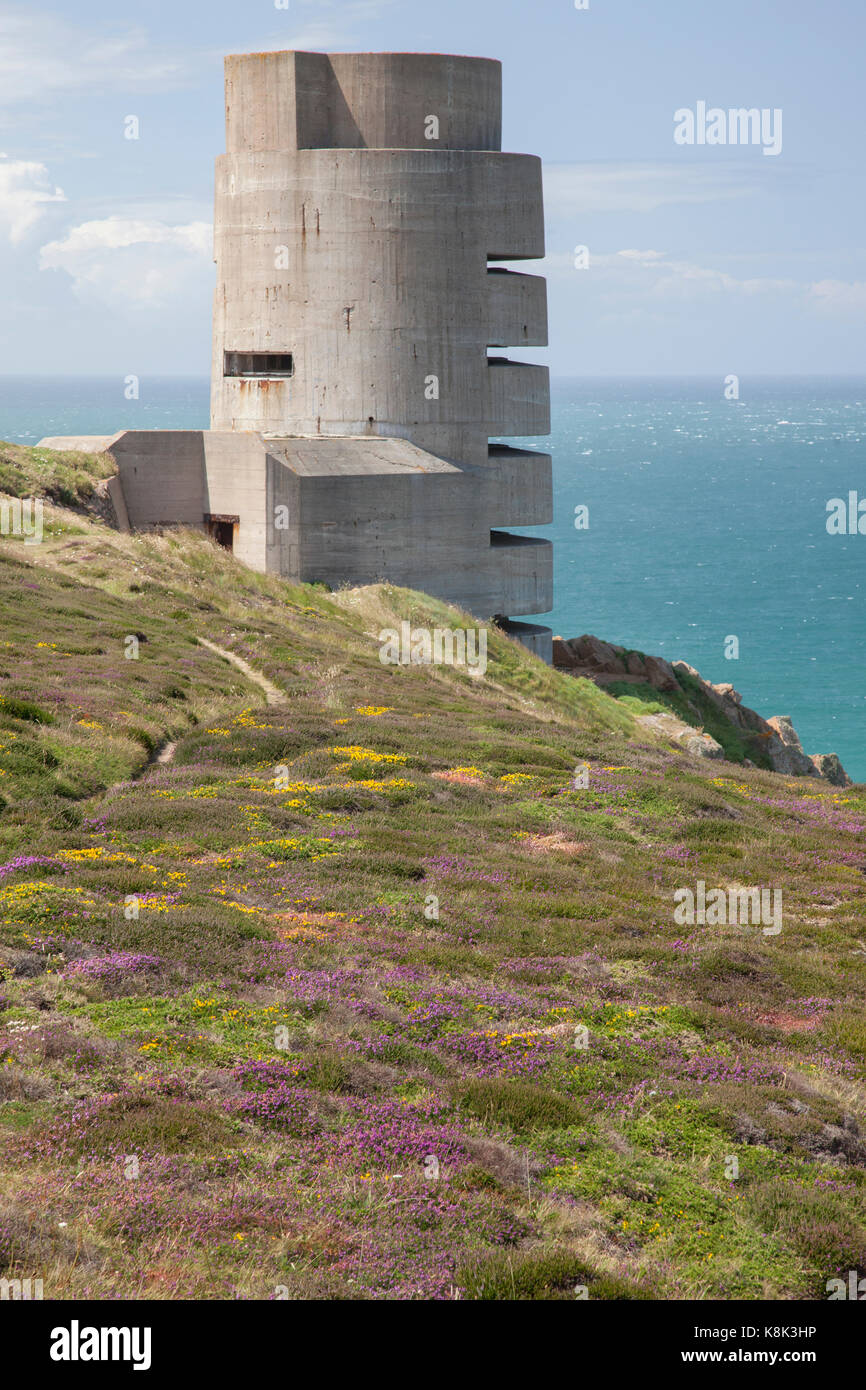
point(222, 529)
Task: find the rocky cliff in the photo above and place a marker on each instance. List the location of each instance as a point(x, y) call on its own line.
point(707, 720)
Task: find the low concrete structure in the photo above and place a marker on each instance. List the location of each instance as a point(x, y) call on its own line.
point(363, 509)
point(360, 209)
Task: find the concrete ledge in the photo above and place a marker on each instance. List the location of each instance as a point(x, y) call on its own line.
point(522, 490)
point(537, 639)
point(517, 315)
point(518, 398)
point(524, 566)
point(514, 208)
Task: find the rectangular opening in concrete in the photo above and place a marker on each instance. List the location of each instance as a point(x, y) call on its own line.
point(258, 364)
point(221, 528)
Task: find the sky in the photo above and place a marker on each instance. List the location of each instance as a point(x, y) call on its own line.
point(700, 258)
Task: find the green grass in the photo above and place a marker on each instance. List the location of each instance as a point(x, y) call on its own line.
point(68, 478)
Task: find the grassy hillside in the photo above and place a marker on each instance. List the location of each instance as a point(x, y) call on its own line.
point(357, 995)
point(67, 478)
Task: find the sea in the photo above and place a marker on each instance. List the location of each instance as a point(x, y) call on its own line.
point(686, 524)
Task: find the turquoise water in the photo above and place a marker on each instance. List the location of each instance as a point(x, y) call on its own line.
point(33, 407)
point(707, 519)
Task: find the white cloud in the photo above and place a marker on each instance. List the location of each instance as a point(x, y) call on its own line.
point(41, 54)
point(25, 188)
point(579, 189)
point(843, 297)
point(645, 279)
point(685, 277)
point(133, 262)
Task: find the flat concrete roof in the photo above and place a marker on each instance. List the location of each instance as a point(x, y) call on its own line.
point(78, 443)
point(345, 455)
point(365, 53)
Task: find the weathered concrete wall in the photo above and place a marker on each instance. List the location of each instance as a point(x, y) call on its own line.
point(533, 636)
point(370, 509)
point(162, 475)
point(518, 398)
point(525, 565)
point(283, 515)
point(114, 489)
point(382, 285)
point(293, 100)
point(517, 309)
point(235, 484)
point(179, 477)
point(521, 492)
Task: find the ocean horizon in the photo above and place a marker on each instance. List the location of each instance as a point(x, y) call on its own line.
point(706, 521)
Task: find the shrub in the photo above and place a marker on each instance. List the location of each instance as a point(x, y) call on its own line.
point(25, 709)
point(518, 1104)
point(528, 1275)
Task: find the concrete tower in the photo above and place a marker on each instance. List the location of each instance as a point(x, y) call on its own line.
point(361, 208)
point(359, 211)
point(358, 208)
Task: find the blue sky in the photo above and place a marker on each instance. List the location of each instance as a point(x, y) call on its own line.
point(702, 259)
